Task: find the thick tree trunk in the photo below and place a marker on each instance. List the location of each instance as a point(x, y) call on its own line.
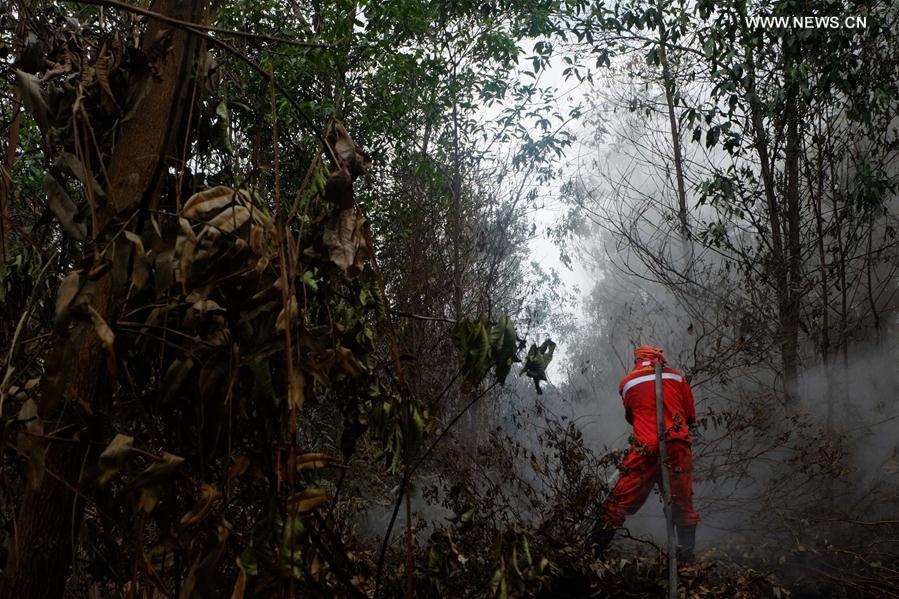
point(50, 515)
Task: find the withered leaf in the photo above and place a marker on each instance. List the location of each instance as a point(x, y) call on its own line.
point(339, 188)
point(348, 362)
point(186, 229)
point(70, 164)
point(207, 305)
point(297, 390)
point(113, 457)
point(102, 68)
point(221, 130)
point(204, 504)
point(307, 500)
point(240, 465)
point(344, 239)
point(31, 445)
point(207, 201)
point(174, 377)
point(350, 154)
point(227, 221)
point(286, 317)
point(141, 270)
point(102, 329)
point(149, 497)
point(68, 289)
point(63, 208)
point(33, 97)
point(158, 470)
point(313, 461)
point(185, 245)
point(240, 586)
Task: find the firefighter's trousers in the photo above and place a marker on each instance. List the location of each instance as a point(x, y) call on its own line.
point(640, 472)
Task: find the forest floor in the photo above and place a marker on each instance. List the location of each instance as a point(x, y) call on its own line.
point(714, 574)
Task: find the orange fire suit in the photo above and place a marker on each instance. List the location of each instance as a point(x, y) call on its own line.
point(640, 470)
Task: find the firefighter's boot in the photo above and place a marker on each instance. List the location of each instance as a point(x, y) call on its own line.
point(686, 543)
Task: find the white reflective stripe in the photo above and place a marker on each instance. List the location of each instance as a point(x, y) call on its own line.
point(649, 378)
point(647, 363)
point(634, 382)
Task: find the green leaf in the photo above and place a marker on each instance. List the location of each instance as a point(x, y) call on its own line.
point(711, 137)
point(504, 345)
point(291, 543)
point(308, 280)
point(536, 362)
point(473, 342)
point(249, 561)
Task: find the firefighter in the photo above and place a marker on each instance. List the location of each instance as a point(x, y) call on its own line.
point(640, 470)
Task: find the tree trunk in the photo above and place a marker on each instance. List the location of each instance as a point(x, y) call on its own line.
point(790, 320)
point(779, 262)
point(12, 144)
point(9, 161)
point(682, 214)
point(50, 515)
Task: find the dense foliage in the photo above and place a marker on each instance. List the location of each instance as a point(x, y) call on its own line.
point(197, 333)
point(269, 308)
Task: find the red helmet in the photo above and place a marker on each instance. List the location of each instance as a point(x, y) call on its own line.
point(648, 353)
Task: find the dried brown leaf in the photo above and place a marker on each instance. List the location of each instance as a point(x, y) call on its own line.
point(297, 390)
point(34, 98)
point(185, 245)
point(141, 271)
point(313, 461)
point(113, 456)
point(31, 445)
point(63, 208)
point(226, 221)
point(240, 586)
point(162, 468)
point(102, 329)
point(345, 240)
point(204, 504)
point(239, 466)
point(65, 295)
point(207, 305)
point(102, 67)
point(307, 500)
point(149, 497)
point(339, 188)
point(208, 200)
point(350, 153)
point(285, 317)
